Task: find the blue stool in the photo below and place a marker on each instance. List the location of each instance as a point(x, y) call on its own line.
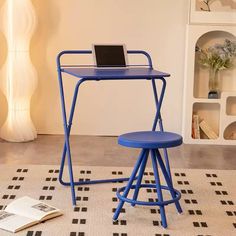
point(149, 142)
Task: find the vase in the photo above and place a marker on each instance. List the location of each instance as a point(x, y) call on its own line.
point(19, 77)
point(214, 88)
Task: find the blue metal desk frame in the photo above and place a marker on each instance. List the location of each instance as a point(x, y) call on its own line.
point(91, 74)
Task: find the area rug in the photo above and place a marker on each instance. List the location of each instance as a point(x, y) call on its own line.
point(208, 202)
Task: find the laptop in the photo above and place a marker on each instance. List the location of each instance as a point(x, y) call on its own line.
point(110, 56)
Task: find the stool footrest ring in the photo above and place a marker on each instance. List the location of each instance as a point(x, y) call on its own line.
point(163, 203)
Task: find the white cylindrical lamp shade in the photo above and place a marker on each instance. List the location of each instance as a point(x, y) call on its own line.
point(20, 78)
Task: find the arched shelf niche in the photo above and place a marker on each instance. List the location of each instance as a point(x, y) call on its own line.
point(230, 132)
point(201, 73)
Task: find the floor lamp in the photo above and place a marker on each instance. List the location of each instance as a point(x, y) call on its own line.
point(19, 77)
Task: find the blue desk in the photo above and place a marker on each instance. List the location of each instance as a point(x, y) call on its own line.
point(109, 74)
point(88, 73)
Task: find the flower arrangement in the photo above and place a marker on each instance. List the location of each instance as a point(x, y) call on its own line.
point(207, 5)
point(217, 57)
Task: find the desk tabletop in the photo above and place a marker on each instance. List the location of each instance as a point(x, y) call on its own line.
point(103, 74)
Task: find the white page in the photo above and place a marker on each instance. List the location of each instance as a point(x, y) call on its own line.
point(12, 222)
point(30, 208)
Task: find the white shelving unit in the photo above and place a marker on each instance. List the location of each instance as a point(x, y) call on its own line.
point(220, 113)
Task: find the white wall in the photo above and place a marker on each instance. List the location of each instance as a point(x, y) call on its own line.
point(106, 108)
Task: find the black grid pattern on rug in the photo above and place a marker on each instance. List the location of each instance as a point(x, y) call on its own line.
point(208, 201)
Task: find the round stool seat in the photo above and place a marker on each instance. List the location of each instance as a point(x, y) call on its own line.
point(150, 139)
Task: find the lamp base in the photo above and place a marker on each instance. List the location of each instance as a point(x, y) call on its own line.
point(18, 127)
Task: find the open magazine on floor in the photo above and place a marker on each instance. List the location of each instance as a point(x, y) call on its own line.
point(25, 212)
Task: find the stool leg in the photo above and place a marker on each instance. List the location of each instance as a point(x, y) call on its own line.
point(158, 187)
point(140, 176)
point(129, 185)
point(167, 164)
point(168, 181)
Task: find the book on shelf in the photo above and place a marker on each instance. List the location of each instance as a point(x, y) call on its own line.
point(25, 212)
point(195, 127)
point(207, 129)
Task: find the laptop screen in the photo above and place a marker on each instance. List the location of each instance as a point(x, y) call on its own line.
point(109, 55)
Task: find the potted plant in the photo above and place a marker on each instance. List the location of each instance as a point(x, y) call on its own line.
point(217, 57)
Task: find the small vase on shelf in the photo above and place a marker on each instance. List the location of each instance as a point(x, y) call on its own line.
point(214, 88)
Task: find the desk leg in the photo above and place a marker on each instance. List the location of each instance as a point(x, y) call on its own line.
point(167, 163)
point(159, 120)
point(72, 183)
point(67, 129)
point(66, 149)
